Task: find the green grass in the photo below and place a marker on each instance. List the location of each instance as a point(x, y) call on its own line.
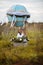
point(10, 54)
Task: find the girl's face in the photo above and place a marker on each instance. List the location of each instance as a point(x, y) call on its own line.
point(20, 31)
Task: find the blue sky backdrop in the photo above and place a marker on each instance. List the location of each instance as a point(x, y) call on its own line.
point(34, 7)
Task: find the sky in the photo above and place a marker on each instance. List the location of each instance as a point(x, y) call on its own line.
point(34, 7)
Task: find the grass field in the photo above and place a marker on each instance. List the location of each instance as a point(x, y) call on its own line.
point(32, 54)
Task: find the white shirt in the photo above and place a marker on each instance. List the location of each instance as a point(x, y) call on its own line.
point(20, 36)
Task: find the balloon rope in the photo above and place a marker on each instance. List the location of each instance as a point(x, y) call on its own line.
point(13, 21)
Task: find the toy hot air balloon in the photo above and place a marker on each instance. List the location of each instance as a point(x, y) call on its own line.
point(17, 15)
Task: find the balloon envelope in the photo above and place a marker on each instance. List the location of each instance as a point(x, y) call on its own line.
point(19, 13)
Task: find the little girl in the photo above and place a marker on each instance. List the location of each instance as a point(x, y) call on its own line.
point(20, 34)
